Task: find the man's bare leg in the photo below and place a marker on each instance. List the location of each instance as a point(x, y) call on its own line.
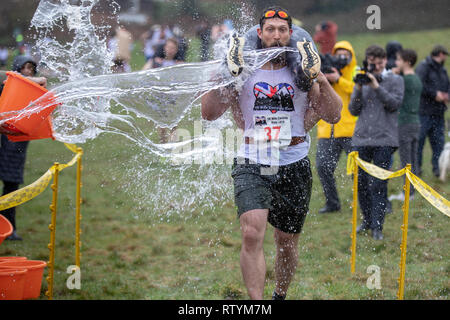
point(253, 264)
point(286, 259)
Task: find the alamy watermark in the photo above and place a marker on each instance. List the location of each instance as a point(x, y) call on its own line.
point(373, 22)
point(374, 281)
point(74, 280)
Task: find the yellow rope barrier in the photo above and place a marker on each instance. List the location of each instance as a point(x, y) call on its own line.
point(434, 198)
point(34, 189)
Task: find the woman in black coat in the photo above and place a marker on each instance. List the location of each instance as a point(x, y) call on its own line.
point(13, 154)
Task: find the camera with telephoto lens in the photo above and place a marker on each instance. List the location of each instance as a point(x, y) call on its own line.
point(362, 78)
point(329, 62)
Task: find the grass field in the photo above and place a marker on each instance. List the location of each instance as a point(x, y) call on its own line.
point(129, 252)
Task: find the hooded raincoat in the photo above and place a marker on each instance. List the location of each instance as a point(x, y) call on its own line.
point(344, 88)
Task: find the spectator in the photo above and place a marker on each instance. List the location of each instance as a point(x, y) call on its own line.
point(325, 36)
point(13, 154)
point(181, 44)
point(335, 138)
point(376, 134)
point(121, 44)
point(408, 117)
point(435, 96)
point(154, 38)
point(392, 47)
point(170, 52)
point(203, 31)
point(146, 38)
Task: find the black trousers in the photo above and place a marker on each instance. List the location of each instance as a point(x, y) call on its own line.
point(327, 157)
point(408, 135)
point(372, 192)
point(10, 213)
point(432, 127)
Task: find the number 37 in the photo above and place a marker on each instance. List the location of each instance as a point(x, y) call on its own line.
point(270, 130)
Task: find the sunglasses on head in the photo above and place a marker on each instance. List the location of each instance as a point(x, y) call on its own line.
point(274, 13)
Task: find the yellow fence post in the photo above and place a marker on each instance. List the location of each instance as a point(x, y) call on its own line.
point(355, 211)
point(52, 227)
point(401, 280)
point(78, 211)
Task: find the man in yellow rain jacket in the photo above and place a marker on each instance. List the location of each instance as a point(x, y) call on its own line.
point(333, 139)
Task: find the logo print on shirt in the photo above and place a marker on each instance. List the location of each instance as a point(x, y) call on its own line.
point(278, 98)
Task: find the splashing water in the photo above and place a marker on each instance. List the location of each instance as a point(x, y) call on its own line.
point(82, 51)
point(134, 105)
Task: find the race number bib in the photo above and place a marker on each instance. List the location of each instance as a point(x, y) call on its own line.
point(273, 128)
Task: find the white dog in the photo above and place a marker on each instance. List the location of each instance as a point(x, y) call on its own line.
point(444, 162)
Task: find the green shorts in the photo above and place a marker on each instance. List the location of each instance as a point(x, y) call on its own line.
point(285, 193)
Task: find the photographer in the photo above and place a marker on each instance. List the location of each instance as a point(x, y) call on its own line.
point(376, 98)
point(339, 69)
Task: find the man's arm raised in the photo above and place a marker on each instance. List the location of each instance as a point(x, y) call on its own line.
point(216, 102)
point(311, 119)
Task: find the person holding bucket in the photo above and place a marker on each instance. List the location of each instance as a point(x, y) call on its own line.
point(42, 81)
point(13, 154)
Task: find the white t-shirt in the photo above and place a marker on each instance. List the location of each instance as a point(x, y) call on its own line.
point(266, 95)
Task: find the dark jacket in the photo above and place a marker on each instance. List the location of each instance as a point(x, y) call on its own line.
point(13, 154)
point(12, 160)
point(392, 47)
point(434, 78)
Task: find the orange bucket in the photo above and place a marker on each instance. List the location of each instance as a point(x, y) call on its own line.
point(12, 283)
point(6, 228)
point(17, 94)
point(33, 277)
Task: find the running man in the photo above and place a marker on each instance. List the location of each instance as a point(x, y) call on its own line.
point(275, 108)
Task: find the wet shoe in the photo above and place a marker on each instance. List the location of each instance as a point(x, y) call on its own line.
point(14, 236)
point(310, 59)
point(309, 67)
point(235, 60)
point(436, 173)
point(388, 209)
point(377, 234)
point(276, 296)
point(363, 227)
point(327, 209)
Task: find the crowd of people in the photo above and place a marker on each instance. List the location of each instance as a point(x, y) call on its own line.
point(397, 108)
